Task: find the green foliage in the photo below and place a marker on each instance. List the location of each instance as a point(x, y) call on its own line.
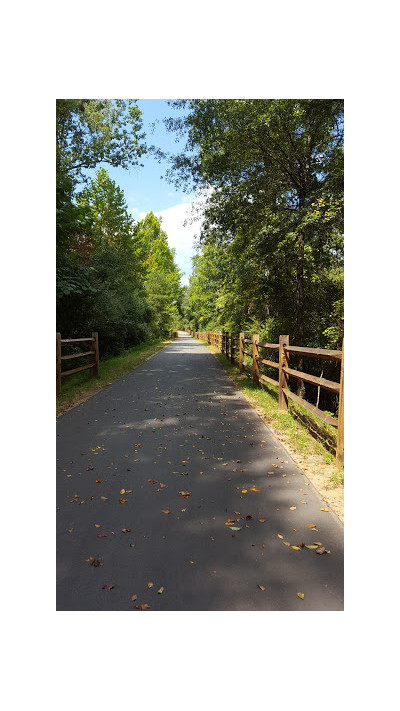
point(93, 131)
point(274, 212)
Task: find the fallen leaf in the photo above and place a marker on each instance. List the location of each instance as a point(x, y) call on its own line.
point(321, 550)
point(286, 543)
point(185, 494)
point(244, 491)
point(292, 508)
point(262, 520)
point(236, 528)
point(104, 498)
point(296, 548)
point(253, 488)
point(311, 525)
point(248, 518)
point(133, 598)
point(122, 491)
point(279, 535)
point(166, 511)
point(125, 530)
point(123, 501)
point(313, 547)
point(301, 595)
point(96, 562)
point(324, 509)
point(150, 585)
point(142, 607)
point(160, 591)
point(101, 535)
point(97, 525)
point(261, 587)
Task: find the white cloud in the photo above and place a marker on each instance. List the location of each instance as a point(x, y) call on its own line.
point(180, 236)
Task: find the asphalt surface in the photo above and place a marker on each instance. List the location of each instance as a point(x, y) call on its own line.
point(177, 424)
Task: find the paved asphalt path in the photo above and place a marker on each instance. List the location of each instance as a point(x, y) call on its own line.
point(177, 424)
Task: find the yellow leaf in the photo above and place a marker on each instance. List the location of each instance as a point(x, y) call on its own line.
point(286, 543)
point(301, 595)
point(160, 591)
point(97, 525)
point(279, 535)
point(296, 548)
point(244, 491)
point(261, 587)
point(324, 509)
point(292, 508)
point(104, 498)
point(311, 547)
point(149, 585)
point(253, 488)
point(122, 491)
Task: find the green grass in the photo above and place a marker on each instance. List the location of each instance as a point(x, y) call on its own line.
point(304, 433)
point(80, 386)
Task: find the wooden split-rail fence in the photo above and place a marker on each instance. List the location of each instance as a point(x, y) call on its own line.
point(235, 347)
point(92, 353)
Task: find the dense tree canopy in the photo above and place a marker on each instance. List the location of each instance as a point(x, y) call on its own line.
point(113, 276)
point(273, 170)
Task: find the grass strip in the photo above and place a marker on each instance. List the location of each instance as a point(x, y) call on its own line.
point(310, 442)
point(79, 387)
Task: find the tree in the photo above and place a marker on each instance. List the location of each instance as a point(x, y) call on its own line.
point(105, 201)
point(93, 131)
point(275, 169)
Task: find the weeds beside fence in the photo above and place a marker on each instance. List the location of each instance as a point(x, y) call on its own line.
point(234, 348)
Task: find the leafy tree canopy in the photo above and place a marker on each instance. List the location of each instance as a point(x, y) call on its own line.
point(93, 131)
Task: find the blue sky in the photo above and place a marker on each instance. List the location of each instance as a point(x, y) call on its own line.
point(146, 189)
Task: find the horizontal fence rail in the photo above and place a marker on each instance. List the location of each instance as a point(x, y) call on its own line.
point(93, 354)
point(227, 344)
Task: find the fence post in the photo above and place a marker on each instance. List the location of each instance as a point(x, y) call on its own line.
point(58, 362)
point(256, 367)
point(226, 344)
point(283, 378)
point(340, 432)
point(241, 352)
point(95, 357)
point(232, 347)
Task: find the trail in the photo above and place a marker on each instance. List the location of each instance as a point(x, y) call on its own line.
point(149, 472)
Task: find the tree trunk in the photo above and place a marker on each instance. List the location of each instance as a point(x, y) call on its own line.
point(300, 294)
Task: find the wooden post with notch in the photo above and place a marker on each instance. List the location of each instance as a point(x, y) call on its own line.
point(241, 352)
point(256, 351)
point(340, 432)
point(95, 357)
point(232, 347)
point(58, 362)
point(283, 378)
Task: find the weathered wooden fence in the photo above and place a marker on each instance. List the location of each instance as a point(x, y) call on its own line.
point(235, 347)
point(93, 354)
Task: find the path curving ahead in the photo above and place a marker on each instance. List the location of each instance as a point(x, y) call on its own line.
point(177, 424)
